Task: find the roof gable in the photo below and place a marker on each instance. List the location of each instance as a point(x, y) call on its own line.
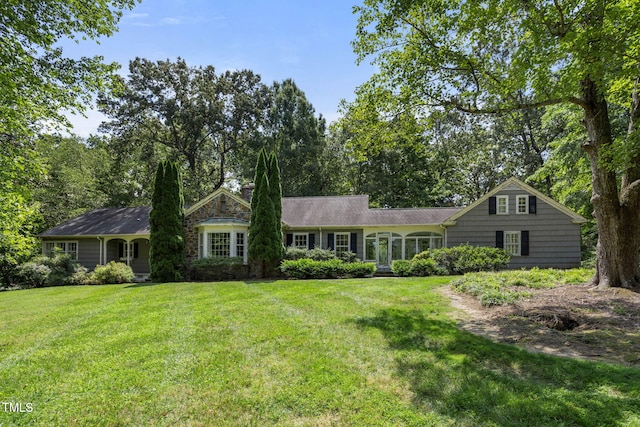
point(575, 218)
point(193, 208)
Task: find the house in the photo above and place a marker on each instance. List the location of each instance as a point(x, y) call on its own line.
point(534, 228)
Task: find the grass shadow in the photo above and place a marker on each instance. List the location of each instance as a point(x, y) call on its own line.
point(478, 382)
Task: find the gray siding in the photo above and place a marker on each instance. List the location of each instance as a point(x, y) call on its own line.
point(325, 232)
point(88, 250)
point(554, 241)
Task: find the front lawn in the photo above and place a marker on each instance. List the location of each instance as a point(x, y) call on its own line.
point(336, 352)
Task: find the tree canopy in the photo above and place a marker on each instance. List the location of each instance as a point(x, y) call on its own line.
point(506, 55)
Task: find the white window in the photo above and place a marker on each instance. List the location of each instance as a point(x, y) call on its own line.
point(301, 240)
point(240, 245)
point(342, 243)
point(502, 203)
point(419, 242)
point(512, 242)
point(220, 245)
point(127, 251)
point(69, 248)
point(522, 205)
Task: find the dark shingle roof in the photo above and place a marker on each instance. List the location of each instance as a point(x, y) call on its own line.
point(105, 221)
point(344, 211)
point(329, 211)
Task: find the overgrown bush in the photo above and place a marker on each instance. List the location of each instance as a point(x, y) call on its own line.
point(113, 272)
point(452, 261)
point(318, 254)
point(291, 253)
point(307, 268)
point(42, 271)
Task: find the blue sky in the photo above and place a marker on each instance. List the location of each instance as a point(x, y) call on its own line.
point(306, 40)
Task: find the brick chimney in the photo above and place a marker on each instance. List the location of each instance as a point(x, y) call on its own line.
point(247, 191)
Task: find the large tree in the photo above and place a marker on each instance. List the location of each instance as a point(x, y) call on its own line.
point(189, 114)
point(37, 84)
point(480, 57)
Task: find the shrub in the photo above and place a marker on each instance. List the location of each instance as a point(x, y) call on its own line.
point(33, 274)
point(425, 267)
point(307, 268)
point(466, 258)
point(219, 268)
point(114, 272)
point(44, 271)
point(319, 254)
point(349, 257)
point(292, 253)
point(358, 269)
point(217, 262)
point(401, 267)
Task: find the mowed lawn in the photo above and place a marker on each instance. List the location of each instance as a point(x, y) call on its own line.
point(371, 352)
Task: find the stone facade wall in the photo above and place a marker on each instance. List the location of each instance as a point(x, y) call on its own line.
point(221, 206)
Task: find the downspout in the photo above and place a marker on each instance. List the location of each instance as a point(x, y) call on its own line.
point(100, 244)
point(320, 244)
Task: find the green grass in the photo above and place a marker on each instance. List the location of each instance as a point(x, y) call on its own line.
point(507, 287)
point(338, 352)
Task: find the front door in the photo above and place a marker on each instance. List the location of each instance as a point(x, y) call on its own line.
point(384, 252)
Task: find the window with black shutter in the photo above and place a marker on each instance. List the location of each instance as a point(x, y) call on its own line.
point(524, 243)
point(492, 205)
point(533, 201)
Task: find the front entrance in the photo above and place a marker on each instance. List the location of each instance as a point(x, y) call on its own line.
point(384, 253)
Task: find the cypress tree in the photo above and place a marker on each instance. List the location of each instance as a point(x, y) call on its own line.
point(167, 246)
point(275, 194)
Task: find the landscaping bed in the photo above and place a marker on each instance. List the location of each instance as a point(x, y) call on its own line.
point(573, 320)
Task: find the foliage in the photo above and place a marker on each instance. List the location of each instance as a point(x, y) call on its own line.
point(112, 273)
point(319, 254)
point(466, 258)
point(265, 232)
point(72, 180)
point(306, 268)
point(167, 259)
point(216, 262)
point(509, 56)
point(297, 137)
point(59, 270)
point(507, 287)
point(401, 267)
point(192, 115)
point(452, 261)
point(38, 81)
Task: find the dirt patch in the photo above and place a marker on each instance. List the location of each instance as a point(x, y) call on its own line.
point(571, 320)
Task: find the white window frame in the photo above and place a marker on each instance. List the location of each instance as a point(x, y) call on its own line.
point(204, 241)
point(128, 250)
point(526, 204)
point(229, 252)
point(341, 248)
point(505, 205)
point(514, 247)
point(295, 244)
point(63, 245)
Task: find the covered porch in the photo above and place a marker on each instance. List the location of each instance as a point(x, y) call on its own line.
point(131, 250)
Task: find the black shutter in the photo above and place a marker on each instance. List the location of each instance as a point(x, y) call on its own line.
point(533, 202)
point(330, 240)
point(492, 205)
point(135, 250)
point(354, 243)
point(500, 239)
point(289, 239)
point(524, 243)
point(121, 250)
point(312, 241)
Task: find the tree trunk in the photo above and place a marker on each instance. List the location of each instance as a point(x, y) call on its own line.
point(617, 211)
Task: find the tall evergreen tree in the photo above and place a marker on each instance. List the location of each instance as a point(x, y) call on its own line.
point(167, 256)
point(265, 230)
point(275, 194)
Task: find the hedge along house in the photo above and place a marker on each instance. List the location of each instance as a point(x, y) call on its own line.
point(535, 229)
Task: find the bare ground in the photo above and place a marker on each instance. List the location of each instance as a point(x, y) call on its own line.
point(571, 320)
